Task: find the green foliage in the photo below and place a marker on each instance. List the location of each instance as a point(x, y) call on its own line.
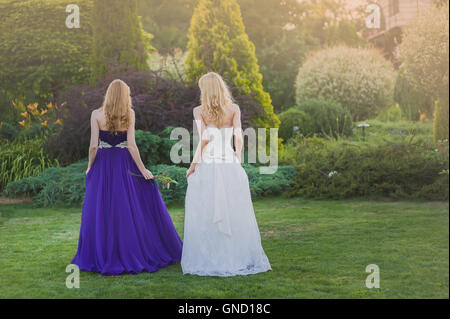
point(406, 169)
point(392, 114)
point(176, 192)
point(218, 42)
point(441, 118)
point(22, 158)
point(361, 80)
point(154, 148)
point(326, 118)
point(66, 185)
point(56, 185)
point(425, 49)
point(413, 102)
point(291, 119)
point(279, 64)
point(343, 32)
point(264, 185)
point(120, 44)
point(167, 20)
point(38, 53)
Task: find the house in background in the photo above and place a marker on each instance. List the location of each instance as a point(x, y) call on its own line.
point(395, 15)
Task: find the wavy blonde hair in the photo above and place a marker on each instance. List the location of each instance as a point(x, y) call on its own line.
point(117, 106)
point(215, 94)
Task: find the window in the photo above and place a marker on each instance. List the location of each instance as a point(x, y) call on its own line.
point(394, 7)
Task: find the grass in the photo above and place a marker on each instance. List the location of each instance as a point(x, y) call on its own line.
point(318, 249)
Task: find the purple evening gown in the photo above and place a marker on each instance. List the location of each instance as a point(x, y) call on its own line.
point(125, 226)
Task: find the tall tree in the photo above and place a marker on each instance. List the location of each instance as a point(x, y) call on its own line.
point(218, 42)
point(425, 56)
point(120, 43)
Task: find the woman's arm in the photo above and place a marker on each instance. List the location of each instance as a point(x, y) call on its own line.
point(93, 146)
point(203, 141)
point(133, 149)
point(237, 130)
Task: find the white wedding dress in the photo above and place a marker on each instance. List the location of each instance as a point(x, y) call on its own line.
point(221, 236)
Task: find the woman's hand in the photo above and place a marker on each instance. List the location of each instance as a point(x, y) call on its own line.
point(190, 171)
point(238, 156)
point(147, 174)
point(88, 169)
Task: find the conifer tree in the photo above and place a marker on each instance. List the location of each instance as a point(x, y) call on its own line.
point(120, 43)
point(218, 42)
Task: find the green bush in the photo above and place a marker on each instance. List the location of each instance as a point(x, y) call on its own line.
point(22, 158)
point(326, 118)
point(56, 185)
point(392, 114)
point(154, 148)
point(361, 80)
point(441, 118)
point(407, 169)
point(291, 119)
point(66, 185)
point(412, 102)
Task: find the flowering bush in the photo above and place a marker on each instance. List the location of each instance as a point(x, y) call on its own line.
point(44, 115)
point(361, 80)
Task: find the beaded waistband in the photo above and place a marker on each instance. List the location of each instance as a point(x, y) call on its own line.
point(103, 144)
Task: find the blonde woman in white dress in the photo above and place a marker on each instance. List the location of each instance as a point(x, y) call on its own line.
point(221, 236)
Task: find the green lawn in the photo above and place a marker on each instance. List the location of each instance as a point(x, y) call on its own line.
point(318, 249)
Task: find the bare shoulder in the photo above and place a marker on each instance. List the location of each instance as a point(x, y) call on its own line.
point(95, 113)
point(197, 110)
point(235, 108)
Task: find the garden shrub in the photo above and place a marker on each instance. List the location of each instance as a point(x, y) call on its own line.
point(424, 51)
point(326, 118)
point(66, 185)
point(413, 102)
point(291, 119)
point(392, 114)
point(154, 149)
point(361, 80)
point(441, 117)
point(158, 102)
point(403, 170)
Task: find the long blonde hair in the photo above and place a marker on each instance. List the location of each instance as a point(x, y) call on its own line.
point(215, 95)
point(117, 106)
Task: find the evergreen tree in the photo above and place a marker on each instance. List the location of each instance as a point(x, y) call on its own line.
point(120, 44)
point(218, 42)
